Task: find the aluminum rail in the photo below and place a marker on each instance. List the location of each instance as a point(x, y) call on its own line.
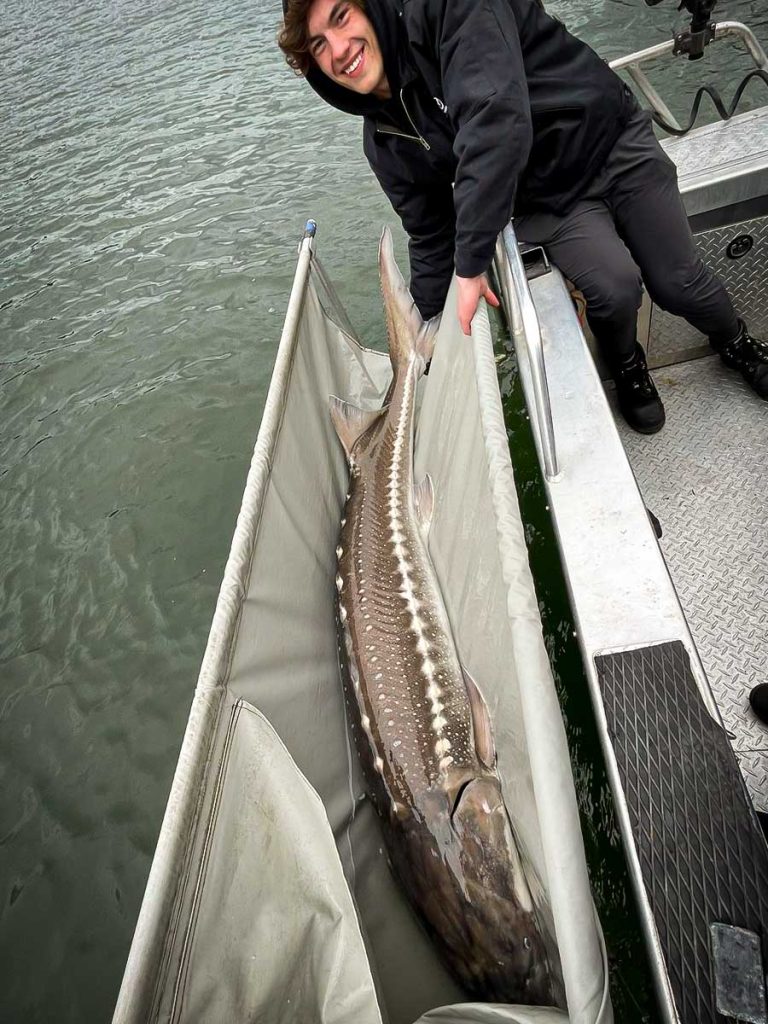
point(631, 63)
point(525, 329)
point(145, 957)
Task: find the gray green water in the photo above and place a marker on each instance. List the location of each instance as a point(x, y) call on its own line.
point(157, 163)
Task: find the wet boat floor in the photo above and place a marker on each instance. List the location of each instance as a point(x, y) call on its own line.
point(705, 476)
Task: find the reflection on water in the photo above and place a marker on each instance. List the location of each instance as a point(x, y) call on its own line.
point(158, 162)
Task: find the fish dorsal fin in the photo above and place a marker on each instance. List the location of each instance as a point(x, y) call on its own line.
point(481, 722)
point(424, 502)
point(351, 423)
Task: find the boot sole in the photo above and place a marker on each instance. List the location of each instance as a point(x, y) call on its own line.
point(646, 430)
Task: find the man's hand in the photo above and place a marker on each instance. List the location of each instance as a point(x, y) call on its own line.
point(470, 291)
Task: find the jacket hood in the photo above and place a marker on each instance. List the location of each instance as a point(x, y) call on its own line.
point(386, 18)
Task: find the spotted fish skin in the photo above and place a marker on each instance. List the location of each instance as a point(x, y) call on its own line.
point(422, 728)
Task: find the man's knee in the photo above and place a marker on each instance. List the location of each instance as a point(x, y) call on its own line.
point(675, 289)
point(612, 294)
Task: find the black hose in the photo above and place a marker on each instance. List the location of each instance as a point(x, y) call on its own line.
point(716, 98)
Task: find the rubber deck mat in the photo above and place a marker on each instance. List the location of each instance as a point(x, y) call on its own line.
point(702, 854)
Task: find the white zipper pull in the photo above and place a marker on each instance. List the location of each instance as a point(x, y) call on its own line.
point(419, 136)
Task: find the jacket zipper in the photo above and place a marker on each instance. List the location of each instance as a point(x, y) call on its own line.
point(404, 135)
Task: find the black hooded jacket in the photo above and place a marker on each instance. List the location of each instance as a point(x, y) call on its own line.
point(495, 108)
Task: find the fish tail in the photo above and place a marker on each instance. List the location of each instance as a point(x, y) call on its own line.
point(408, 332)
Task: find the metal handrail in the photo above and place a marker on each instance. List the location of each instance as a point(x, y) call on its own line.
point(525, 326)
point(631, 63)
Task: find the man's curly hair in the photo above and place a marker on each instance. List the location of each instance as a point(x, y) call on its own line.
point(293, 38)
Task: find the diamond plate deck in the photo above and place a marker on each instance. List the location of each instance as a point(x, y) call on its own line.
point(706, 478)
point(702, 854)
point(671, 338)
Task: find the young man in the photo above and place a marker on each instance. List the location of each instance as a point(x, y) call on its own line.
point(475, 110)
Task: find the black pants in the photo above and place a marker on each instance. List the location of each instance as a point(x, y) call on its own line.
point(630, 228)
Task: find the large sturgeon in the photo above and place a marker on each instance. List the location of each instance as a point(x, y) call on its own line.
point(423, 729)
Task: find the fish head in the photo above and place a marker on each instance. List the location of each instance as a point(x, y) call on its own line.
point(461, 866)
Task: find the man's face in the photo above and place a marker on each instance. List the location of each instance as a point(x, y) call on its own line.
point(344, 46)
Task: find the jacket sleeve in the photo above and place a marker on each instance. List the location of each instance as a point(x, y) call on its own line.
point(484, 85)
point(427, 214)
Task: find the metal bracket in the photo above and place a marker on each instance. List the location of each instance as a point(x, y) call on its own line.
point(535, 261)
point(691, 44)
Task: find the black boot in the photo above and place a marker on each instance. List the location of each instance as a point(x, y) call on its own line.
point(638, 398)
point(749, 356)
point(758, 698)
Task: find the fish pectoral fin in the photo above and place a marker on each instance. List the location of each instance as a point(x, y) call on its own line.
point(424, 501)
point(481, 722)
point(351, 423)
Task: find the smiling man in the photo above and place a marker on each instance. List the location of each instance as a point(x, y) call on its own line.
point(343, 44)
point(475, 110)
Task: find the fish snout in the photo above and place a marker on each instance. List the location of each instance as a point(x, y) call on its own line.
point(457, 859)
point(500, 913)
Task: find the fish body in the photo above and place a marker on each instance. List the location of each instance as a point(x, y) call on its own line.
point(423, 729)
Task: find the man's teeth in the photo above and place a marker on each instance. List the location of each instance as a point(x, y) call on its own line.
point(354, 65)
